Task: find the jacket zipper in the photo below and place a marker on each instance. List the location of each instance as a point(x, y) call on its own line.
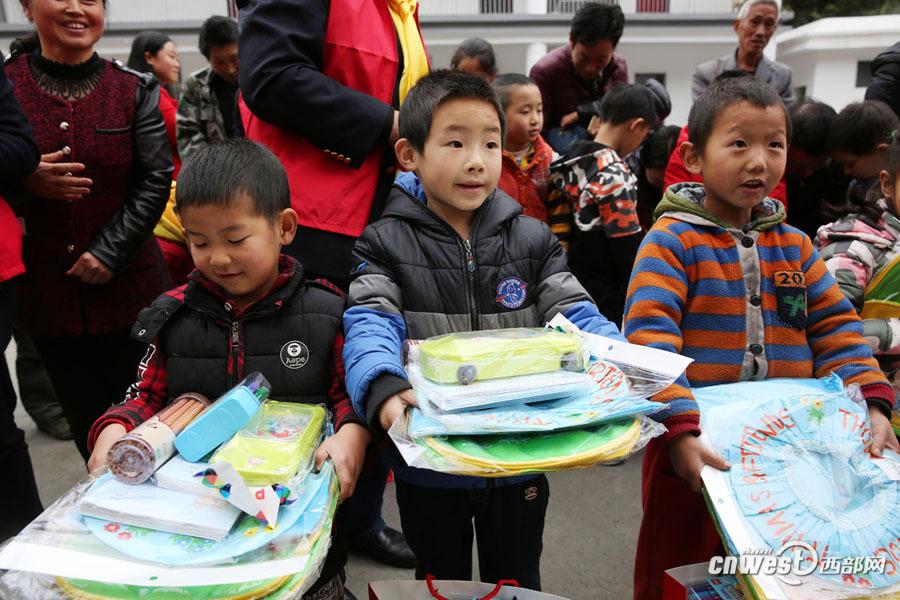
point(235, 351)
point(470, 284)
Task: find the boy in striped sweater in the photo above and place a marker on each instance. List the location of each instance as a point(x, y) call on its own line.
point(722, 279)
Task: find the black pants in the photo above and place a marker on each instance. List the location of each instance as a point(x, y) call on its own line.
point(90, 374)
point(509, 530)
point(20, 503)
point(35, 388)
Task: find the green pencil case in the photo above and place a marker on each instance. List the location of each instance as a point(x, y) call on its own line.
point(279, 440)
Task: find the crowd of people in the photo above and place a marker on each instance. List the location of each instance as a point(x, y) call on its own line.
point(322, 181)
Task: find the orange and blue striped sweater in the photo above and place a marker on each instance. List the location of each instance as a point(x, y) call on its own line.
point(746, 304)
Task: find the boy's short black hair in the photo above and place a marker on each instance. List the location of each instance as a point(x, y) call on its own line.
point(476, 48)
point(230, 169)
point(811, 121)
point(423, 100)
point(861, 127)
point(217, 31)
point(503, 86)
point(594, 22)
point(658, 147)
point(722, 93)
point(626, 101)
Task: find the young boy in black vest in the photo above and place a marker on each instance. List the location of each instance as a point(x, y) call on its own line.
point(241, 309)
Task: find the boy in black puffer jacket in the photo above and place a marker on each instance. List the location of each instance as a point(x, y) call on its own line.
point(245, 308)
point(453, 253)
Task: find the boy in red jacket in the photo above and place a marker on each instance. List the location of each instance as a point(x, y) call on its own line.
point(526, 156)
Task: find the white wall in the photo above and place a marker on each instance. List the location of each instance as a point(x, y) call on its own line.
point(671, 49)
point(823, 55)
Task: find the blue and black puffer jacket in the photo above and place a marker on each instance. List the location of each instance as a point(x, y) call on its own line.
point(416, 278)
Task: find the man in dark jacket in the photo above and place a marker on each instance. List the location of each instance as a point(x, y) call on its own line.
point(207, 109)
point(885, 85)
point(19, 156)
point(576, 75)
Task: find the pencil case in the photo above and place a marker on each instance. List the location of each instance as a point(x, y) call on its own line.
point(223, 418)
point(279, 440)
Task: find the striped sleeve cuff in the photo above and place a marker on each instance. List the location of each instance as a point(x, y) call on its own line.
point(880, 396)
point(679, 424)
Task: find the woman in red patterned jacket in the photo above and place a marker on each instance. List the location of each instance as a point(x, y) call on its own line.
point(98, 191)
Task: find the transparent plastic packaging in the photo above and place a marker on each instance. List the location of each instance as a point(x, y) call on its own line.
point(223, 418)
point(464, 358)
point(277, 443)
point(801, 472)
point(58, 556)
point(649, 370)
point(607, 399)
point(135, 457)
point(505, 455)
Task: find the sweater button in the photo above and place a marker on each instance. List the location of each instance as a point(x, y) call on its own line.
point(756, 349)
point(755, 300)
point(66, 150)
point(64, 126)
point(747, 242)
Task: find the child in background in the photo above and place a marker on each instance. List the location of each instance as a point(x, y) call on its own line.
point(602, 192)
point(475, 56)
point(858, 139)
point(721, 278)
point(246, 302)
point(526, 156)
point(654, 157)
point(862, 252)
point(451, 253)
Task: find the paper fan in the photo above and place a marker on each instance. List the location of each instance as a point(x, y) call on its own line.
point(801, 472)
point(537, 452)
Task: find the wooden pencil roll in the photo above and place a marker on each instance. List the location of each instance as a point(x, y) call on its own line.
point(137, 455)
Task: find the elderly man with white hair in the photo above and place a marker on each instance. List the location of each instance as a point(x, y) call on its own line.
point(755, 24)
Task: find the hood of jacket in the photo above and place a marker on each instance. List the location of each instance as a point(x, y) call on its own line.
point(684, 201)
point(407, 201)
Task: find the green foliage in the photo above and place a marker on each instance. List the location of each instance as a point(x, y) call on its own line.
point(810, 10)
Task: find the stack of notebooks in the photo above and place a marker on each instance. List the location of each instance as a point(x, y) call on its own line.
point(205, 514)
point(514, 401)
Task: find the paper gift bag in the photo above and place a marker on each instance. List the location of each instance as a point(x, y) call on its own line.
point(451, 590)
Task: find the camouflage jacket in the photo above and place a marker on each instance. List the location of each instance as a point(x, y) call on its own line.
point(601, 188)
point(856, 249)
point(199, 120)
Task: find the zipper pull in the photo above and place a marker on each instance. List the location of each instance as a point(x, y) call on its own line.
point(235, 333)
point(470, 258)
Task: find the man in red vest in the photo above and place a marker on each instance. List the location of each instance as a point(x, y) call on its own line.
point(321, 84)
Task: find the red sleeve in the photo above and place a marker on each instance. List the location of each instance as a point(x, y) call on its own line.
point(341, 407)
point(780, 192)
point(146, 396)
point(676, 172)
point(169, 108)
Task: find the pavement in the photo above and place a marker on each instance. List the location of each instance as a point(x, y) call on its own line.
point(590, 531)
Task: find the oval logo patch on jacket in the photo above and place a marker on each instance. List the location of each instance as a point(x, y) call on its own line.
point(511, 292)
point(294, 354)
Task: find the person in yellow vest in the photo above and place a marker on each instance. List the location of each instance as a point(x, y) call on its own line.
point(321, 86)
